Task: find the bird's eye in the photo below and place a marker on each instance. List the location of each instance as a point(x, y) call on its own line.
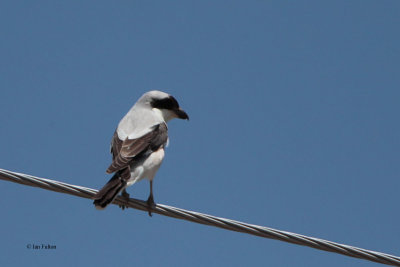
point(165, 103)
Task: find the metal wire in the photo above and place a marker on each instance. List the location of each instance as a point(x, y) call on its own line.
point(206, 219)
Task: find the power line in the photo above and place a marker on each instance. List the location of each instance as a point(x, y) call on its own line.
point(206, 219)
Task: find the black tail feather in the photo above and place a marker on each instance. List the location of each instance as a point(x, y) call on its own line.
point(110, 191)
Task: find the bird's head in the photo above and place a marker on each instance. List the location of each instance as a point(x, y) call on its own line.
point(166, 104)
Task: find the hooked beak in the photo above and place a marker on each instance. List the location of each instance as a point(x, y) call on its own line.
point(181, 114)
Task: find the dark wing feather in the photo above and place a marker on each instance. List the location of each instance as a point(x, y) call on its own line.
point(124, 152)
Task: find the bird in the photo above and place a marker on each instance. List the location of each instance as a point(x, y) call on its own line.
point(138, 145)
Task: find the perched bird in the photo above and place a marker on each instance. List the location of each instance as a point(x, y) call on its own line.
point(138, 144)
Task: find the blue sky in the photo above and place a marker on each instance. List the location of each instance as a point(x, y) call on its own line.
point(294, 109)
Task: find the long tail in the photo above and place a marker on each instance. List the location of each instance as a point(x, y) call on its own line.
point(109, 192)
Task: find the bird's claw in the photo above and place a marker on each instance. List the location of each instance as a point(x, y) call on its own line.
point(125, 195)
point(150, 205)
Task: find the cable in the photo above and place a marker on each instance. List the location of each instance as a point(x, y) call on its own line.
point(206, 219)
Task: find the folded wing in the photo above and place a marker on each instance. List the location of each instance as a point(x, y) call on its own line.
point(128, 150)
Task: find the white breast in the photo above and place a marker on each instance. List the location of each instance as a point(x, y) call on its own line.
point(153, 163)
point(148, 168)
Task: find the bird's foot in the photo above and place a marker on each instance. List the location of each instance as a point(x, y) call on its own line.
point(150, 204)
point(125, 195)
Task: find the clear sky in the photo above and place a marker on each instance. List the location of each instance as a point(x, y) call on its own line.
point(294, 124)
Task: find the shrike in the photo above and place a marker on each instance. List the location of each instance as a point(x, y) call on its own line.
point(138, 144)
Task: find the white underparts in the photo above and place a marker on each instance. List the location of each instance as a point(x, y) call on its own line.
point(148, 168)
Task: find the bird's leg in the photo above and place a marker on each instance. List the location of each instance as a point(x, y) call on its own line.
point(125, 195)
point(150, 200)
